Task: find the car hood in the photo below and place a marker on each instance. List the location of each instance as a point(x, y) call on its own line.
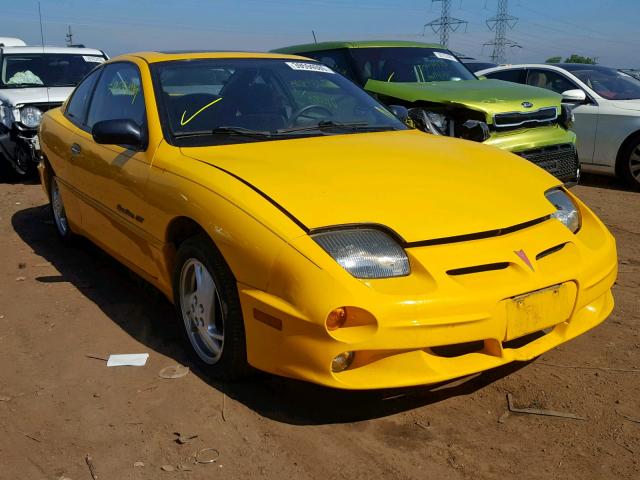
point(421, 186)
point(626, 104)
point(489, 96)
point(20, 96)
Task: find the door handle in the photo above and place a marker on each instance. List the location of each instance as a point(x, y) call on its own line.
point(75, 149)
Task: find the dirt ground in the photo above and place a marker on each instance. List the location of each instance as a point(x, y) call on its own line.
point(58, 305)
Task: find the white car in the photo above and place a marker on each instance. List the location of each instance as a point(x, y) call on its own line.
point(606, 107)
point(32, 81)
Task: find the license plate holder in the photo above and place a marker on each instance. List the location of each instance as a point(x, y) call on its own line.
point(538, 310)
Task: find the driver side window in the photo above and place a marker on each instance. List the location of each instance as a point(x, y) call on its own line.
point(118, 95)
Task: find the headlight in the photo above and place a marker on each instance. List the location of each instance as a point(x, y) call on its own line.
point(30, 116)
point(566, 211)
point(567, 117)
point(432, 122)
point(365, 252)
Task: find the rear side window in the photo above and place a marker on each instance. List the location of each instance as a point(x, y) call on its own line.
point(549, 80)
point(118, 95)
point(516, 76)
point(77, 106)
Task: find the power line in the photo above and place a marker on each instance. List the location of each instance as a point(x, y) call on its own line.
point(446, 23)
point(500, 23)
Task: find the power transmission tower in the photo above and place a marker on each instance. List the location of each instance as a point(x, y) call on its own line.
point(69, 37)
point(500, 23)
point(446, 23)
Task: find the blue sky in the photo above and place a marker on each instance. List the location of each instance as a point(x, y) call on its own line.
point(607, 29)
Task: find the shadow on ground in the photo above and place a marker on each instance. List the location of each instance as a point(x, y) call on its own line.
point(604, 181)
point(147, 316)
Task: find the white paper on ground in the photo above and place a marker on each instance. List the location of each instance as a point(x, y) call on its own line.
point(128, 359)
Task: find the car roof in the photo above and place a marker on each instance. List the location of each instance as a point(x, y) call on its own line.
point(156, 57)
point(11, 42)
point(314, 47)
point(51, 49)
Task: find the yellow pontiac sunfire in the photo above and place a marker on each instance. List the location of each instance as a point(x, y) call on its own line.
point(301, 228)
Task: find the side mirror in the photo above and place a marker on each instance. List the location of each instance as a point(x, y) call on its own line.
point(399, 111)
point(574, 96)
point(119, 132)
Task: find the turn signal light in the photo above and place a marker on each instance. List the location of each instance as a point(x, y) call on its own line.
point(336, 318)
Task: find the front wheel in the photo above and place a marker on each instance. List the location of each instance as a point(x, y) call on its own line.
point(629, 163)
point(208, 307)
point(23, 164)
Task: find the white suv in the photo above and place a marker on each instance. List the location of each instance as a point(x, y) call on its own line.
point(34, 79)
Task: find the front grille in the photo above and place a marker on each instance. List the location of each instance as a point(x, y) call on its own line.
point(559, 160)
point(517, 119)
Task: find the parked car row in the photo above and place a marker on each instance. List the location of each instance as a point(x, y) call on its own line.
point(302, 228)
point(606, 105)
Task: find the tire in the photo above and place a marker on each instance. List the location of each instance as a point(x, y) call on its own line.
point(629, 163)
point(58, 212)
point(24, 167)
point(208, 308)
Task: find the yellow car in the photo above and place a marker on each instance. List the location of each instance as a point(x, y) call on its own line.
point(302, 229)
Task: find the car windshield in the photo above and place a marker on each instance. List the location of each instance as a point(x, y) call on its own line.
point(609, 83)
point(26, 70)
point(409, 64)
point(216, 101)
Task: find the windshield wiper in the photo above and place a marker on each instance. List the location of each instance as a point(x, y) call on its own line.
point(331, 125)
point(224, 130)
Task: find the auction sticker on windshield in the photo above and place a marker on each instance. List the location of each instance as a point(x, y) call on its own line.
point(445, 56)
point(88, 58)
point(309, 67)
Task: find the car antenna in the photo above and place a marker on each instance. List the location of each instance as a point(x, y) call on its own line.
point(42, 43)
point(41, 31)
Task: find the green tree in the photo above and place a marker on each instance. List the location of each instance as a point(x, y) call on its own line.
point(580, 59)
point(553, 60)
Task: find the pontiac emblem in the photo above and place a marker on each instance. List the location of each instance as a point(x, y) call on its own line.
point(524, 258)
point(527, 104)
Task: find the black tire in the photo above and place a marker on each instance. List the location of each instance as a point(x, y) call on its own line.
point(23, 167)
point(232, 361)
point(58, 213)
point(629, 163)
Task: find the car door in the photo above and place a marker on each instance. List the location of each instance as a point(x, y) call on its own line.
point(62, 139)
point(113, 178)
point(586, 124)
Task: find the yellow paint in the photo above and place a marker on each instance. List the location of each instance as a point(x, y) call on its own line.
point(183, 122)
point(421, 186)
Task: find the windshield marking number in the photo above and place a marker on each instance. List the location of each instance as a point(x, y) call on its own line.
point(309, 67)
point(445, 56)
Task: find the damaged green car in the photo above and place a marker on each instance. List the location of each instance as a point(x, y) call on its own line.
point(443, 97)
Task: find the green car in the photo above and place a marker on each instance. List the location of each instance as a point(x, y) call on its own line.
point(444, 97)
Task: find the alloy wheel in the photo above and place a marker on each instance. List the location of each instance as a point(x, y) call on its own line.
point(202, 311)
point(59, 214)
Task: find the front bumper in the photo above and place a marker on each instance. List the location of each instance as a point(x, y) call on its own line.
point(433, 325)
point(551, 148)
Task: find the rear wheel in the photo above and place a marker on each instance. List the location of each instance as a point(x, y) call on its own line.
point(58, 211)
point(208, 307)
point(629, 163)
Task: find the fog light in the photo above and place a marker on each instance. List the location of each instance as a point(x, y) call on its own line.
point(342, 361)
point(336, 318)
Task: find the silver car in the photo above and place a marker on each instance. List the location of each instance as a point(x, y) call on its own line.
point(606, 106)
